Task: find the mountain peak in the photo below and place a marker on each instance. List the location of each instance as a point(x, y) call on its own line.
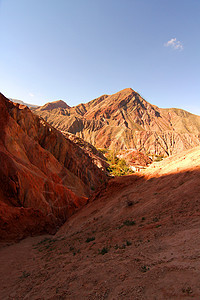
point(55, 104)
point(125, 91)
point(125, 120)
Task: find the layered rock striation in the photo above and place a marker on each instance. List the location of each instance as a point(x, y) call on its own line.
point(125, 120)
point(44, 177)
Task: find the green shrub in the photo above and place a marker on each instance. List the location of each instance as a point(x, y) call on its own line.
point(129, 223)
point(103, 251)
point(144, 269)
point(90, 239)
point(128, 243)
point(103, 150)
point(25, 274)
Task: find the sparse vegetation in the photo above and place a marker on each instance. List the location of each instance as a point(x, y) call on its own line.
point(157, 158)
point(103, 150)
point(74, 251)
point(155, 219)
point(187, 290)
point(118, 167)
point(158, 225)
point(90, 239)
point(44, 241)
point(45, 244)
point(103, 251)
point(123, 246)
point(129, 203)
point(25, 274)
point(128, 243)
point(129, 222)
point(126, 223)
point(144, 269)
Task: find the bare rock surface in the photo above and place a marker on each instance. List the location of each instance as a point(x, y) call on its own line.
point(54, 105)
point(127, 121)
point(44, 177)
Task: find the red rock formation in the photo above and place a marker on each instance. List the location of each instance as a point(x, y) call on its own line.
point(125, 120)
point(54, 105)
point(44, 177)
point(134, 157)
point(97, 157)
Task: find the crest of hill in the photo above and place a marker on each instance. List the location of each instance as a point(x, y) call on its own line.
point(185, 161)
point(54, 105)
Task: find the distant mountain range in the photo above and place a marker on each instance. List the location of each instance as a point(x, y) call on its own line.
point(23, 103)
point(126, 121)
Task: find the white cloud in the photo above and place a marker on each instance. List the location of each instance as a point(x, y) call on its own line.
point(173, 43)
point(31, 95)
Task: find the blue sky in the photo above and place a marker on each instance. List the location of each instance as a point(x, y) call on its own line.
point(77, 50)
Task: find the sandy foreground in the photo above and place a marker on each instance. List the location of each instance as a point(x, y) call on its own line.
point(139, 238)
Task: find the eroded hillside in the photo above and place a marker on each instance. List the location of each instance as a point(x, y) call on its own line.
point(125, 120)
point(44, 177)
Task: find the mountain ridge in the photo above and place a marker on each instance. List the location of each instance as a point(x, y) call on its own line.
point(125, 120)
point(23, 103)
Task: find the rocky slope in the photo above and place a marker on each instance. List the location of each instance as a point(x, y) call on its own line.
point(44, 177)
point(97, 157)
point(125, 120)
point(138, 238)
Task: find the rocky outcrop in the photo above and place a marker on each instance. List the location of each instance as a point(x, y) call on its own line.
point(44, 177)
point(97, 157)
point(125, 120)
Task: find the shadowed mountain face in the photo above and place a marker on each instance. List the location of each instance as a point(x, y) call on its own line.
point(125, 120)
point(44, 177)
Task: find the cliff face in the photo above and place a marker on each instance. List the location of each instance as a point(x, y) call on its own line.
point(125, 120)
point(44, 177)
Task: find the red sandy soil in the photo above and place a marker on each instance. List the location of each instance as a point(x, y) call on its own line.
point(157, 257)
